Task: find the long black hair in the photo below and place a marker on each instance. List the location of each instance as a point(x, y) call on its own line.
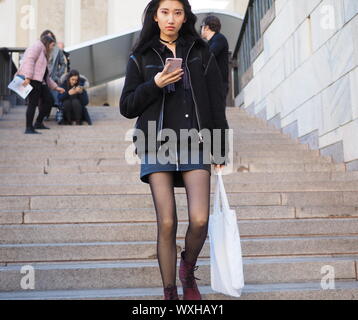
point(151, 28)
point(72, 73)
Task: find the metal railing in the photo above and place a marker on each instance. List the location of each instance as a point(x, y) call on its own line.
point(7, 70)
point(249, 36)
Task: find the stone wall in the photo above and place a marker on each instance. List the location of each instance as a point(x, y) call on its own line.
point(305, 79)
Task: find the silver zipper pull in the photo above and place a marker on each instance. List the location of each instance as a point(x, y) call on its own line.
point(201, 139)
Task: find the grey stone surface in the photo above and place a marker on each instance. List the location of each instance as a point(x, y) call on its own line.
point(14, 217)
point(335, 151)
point(276, 121)
point(312, 139)
point(291, 130)
point(292, 291)
point(112, 251)
point(90, 224)
point(74, 276)
point(115, 232)
point(352, 166)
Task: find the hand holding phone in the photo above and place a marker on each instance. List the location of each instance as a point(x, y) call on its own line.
point(172, 72)
point(174, 64)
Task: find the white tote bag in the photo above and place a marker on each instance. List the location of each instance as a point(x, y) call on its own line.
point(227, 276)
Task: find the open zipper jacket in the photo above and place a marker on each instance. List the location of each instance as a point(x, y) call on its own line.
point(143, 99)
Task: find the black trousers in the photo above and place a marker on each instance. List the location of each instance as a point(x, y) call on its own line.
point(40, 97)
point(73, 110)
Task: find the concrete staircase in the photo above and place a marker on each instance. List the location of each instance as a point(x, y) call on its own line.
point(73, 209)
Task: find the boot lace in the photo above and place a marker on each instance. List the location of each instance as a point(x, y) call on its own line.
point(190, 280)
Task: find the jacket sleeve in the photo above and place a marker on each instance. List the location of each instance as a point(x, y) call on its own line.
point(217, 97)
point(31, 56)
point(137, 95)
point(84, 98)
point(52, 84)
point(218, 46)
point(63, 96)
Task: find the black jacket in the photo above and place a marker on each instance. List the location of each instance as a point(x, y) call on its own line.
point(143, 99)
point(220, 48)
point(82, 97)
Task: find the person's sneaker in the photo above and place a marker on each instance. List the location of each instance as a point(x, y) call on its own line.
point(41, 126)
point(31, 131)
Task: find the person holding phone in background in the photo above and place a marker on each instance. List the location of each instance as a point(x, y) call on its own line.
point(189, 95)
point(74, 98)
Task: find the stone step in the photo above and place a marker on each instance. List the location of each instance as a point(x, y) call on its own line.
point(99, 139)
point(104, 275)
point(114, 251)
point(232, 183)
point(116, 232)
point(43, 168)
point(99, 157)
point(344, 290)
point(236, 177)
point(284, 160)
point(124, 125)
point(115, 114)
point(103, 187)
point(65, 216)
point(132, 176)
point(120, 145)
point(305, 167)
point(94, 162)
point(247, 168)
point(14, 119)
point(117, 123)
point(102, 139)
point(301, 199)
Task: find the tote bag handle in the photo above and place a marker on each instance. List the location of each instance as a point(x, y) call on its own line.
point(220, 195)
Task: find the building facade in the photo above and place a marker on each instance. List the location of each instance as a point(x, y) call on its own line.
point(303, 75)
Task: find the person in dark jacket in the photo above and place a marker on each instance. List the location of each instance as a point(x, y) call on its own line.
point(188, 98)
point(74, 99)
point(219, 46)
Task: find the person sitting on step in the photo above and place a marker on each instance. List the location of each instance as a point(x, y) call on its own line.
point(75, 99)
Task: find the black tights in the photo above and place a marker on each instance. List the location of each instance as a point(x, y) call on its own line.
point(40, 96)
point(197, 184)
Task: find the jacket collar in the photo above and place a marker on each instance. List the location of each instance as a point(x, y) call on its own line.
point(186, 41)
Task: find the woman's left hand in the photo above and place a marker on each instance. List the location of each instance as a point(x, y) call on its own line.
point(219, 167)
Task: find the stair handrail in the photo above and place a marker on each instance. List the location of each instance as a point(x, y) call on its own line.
point(249, 36)
point(7, 70)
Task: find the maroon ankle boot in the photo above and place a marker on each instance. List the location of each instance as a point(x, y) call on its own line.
point(171, 293)
point(186, 275)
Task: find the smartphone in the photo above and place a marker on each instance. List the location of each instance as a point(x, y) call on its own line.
point(175, 64)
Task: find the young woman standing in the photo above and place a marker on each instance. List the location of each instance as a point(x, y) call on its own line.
point(35, 71)
point(187, 98)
